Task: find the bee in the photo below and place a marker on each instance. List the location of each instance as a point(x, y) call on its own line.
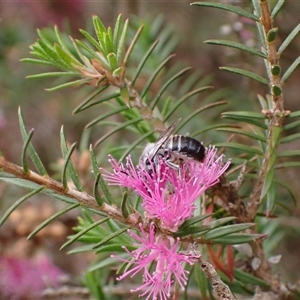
point(173, 149)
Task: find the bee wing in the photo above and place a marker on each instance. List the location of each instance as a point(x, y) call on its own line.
point(163, 137)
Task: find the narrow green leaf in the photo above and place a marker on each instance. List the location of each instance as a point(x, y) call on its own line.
point(284, 185)
point(105, 190)
point(246, 74)
point(153, 76)
point(99, 28)
point(290, 37)
point(37, 61)
point(194, 220)
point(124, 205)
point(241, 147)
point(53, 56)
point(243, 132)
point(291, 125)
point(269, 181)
point(111, 248)
point(117, 32)
point(109, 40)
point(94, 162)
point(67, 157)
point(143, 61)
point(111, 236)
point(132, 44)
point(82, 105)
point(290, 138)
point(121, 44)
point(244, 114)
point(208, 128)
point(30, 150)
point(98, 198)
point(228, 7)
point(201, 281)
point(117, 128)
point(288, 164)
point(247, 278)
point(226, 230)
point(112, 61)
point(288, 153)
point(185, 97)
point(271, 196)
point(67, 58)
point(196, 112)
point(236, 45)
point(19, 202)
point(236, 238)
point(91, 40)
point(105, 262)
point(49, 220)
point(87, 105)
point(52, 74)
point(291, 69)
point(104, 116)
point(24, 151)
point(294, 114)
point(68, 166)
point(133, 145)
point(277, 8)
point(75, 237)
point(67, 84)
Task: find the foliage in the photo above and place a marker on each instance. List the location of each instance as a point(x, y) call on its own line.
point(224, 219)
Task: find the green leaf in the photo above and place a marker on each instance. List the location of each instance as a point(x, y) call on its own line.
point(194, 220)
point(288, 153)
point(106, 115)
point(132, 44)
point(290, 37)
point(243, 132)
point(153, 76)
point(269, 181)
point(246, 74)
point(187, 96)
point(30, 150)
point(52, 74)
point(277, 8)
point(91, 40)
point(291, 125)
point(24, 150)
point(75, 237)
point(143, 61)
point(104, 188)
point(241, 147)
point(69, 167)
point(121, 44)
point(67, 58)
point(226, 230)
point(86, 103)
point(236, 238)
point(117, 32)
point(117, 128)
point(18, 203)
point(112, 61)
point(244, 118)
point(236, 45)
point(247, 278)
point(230, 8)
point(291, 69)
point(290, 138)
point(49, 220)
point(246, 115)
point(94, 163)
point(111, 236)
point(99, 28)
point(99, 199)
point(67, 84)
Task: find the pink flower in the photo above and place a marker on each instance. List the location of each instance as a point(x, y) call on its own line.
point(160, 253)
point(169, 194)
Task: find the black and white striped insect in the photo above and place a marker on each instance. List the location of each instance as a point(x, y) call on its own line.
point(174, 149)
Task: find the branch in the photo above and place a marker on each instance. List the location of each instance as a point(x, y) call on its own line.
point(82, 198)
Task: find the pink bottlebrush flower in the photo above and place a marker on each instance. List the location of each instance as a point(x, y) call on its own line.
point(160, 252)
point(169, 194)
